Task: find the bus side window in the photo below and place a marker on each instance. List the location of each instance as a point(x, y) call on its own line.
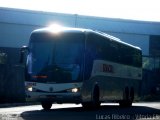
point(99, 47)
point(114, 52)
point(126, 55)
point(90, 55)
point(137, 61)
point(102, 49)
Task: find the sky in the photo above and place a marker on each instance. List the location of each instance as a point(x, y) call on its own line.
point(145, 10)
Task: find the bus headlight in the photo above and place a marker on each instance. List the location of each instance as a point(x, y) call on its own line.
point(75, 90)
point(30, 89)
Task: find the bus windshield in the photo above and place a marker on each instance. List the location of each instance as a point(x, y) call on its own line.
point(56, 59)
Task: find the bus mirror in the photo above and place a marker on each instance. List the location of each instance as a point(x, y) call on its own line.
point(22, 53)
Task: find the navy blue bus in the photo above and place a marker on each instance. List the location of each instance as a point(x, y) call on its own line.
point(74, 65)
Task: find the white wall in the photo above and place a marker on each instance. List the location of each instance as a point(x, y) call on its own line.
point(14, 35)
point(40, 18)
point(17, 35)
point(35, 18)
point(16, 26)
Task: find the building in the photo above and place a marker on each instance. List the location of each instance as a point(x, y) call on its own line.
point(16, 26)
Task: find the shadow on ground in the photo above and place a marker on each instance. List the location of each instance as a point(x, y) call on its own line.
point(107, 112)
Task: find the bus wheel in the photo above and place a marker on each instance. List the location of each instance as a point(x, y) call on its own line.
point(46, 105)
point(132, 94)
point(126, 102)
point(87, 105)
point(96, 101)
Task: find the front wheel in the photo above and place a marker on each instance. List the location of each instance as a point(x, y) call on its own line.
point(95, 103)
point(87, 105)
point(46, 105)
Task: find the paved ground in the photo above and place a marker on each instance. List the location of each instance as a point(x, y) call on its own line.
point(139, 111)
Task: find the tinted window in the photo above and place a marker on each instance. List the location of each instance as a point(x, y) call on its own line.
point(59, 58)
point(100, 47)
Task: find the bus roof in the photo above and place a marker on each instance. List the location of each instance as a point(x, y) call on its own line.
point(61, 29)
point(116, 39)
point(82, 30)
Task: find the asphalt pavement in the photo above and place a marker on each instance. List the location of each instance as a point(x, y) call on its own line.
point(139, 111)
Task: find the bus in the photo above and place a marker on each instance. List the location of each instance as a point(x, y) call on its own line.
point(82, 66)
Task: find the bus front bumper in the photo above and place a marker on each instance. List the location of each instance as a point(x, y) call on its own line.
point(54, 97)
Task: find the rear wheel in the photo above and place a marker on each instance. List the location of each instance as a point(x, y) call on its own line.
point(132, 94)
point(128, 97)
point(125, 103)
point(46, 105)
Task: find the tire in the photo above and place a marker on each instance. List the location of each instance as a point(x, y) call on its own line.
point(126, 94)
point(127, 98)
point(46, 105)
point(87, 105)
point(95, 103)
point(132, 94)
point(125, 103)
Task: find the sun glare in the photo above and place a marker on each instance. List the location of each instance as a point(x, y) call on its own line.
point(55, 28)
